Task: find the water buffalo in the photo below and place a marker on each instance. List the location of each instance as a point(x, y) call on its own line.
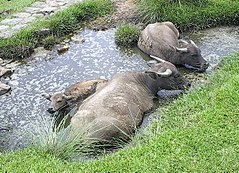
point(76, 93)
point(161, 40)
point(117, 109)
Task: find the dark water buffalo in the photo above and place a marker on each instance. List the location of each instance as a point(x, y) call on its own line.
point(161, 40)
point(117, 109)
point(76, 93)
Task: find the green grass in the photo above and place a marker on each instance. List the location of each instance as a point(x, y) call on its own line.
point(197, 133)
point(13, 6)
point(192, 2)
point(49, 42)
point(127, 35)
point(61, 24)
point(188, 16)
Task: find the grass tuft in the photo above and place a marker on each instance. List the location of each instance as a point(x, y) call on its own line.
point(127, 35)
point(49, 42)
point(190, 2)
point(54, 138)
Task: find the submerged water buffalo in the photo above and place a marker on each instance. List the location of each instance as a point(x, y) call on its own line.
point(117, 109)
point(161, 40)
point(76, 93)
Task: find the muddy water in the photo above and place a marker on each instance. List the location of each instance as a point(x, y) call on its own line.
point(97, 57)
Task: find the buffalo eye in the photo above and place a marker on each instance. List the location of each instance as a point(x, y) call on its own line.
point(59, 101)
point(176, 75)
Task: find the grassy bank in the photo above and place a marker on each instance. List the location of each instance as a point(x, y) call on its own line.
point(62, 23)
point(190, 14)
point(9, 7)
point(187, 15)
point(197, 133)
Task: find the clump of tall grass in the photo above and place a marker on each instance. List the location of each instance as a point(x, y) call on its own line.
point(56, 139)
point(127, 35)
point(49, 42)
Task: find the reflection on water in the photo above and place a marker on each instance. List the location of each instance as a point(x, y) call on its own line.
point(97, 56)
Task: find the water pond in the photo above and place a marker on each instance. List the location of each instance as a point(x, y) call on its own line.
point(97, 57)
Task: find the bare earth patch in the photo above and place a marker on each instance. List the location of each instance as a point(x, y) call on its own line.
point(126, 11)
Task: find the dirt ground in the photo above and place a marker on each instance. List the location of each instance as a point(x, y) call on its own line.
point(126, 11)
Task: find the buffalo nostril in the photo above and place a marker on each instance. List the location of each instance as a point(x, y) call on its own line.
point(206, 64)
point(50, 110)
point(204, 67)
point(187, 85)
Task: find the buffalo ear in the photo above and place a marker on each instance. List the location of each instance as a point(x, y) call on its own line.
point(47, 96)
point(153, 75)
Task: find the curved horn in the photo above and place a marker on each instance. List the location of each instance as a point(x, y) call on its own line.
point(192, 42)
point(182, 41)
point(157, 58)
point(182, 49)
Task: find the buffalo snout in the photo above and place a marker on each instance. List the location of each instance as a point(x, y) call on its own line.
point(187, 84)
point(204, 66)
point(51, 110)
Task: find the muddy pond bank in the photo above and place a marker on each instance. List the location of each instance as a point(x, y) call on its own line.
point(98, 56)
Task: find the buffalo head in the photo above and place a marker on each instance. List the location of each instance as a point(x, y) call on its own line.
point(190, 55)
point(168, 76)
point(58, 101)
